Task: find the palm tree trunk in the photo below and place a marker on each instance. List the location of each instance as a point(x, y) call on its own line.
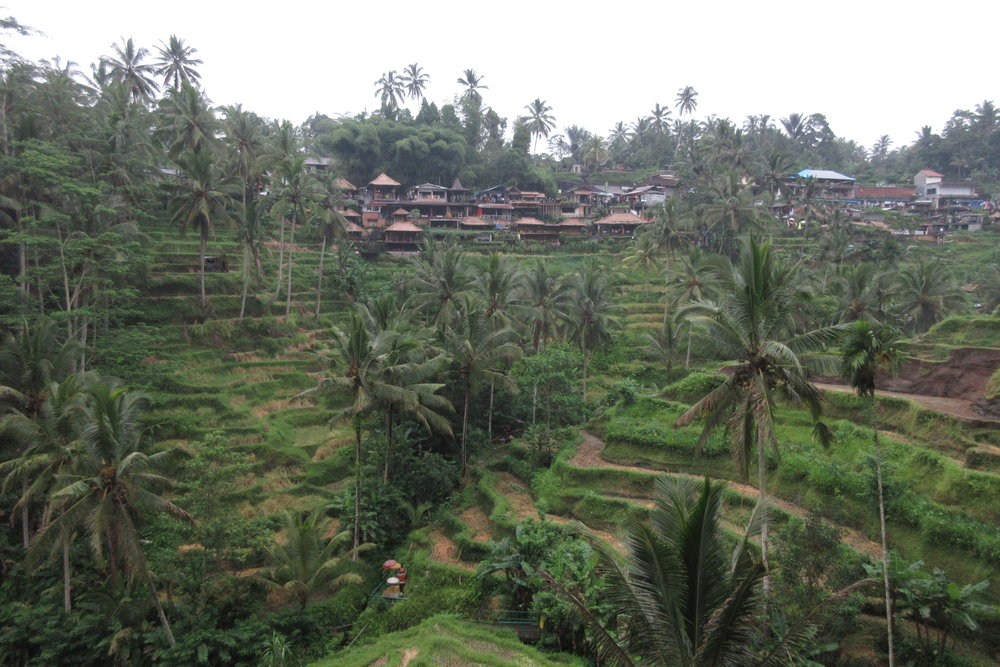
point(246, 282)
point(586, 365)
point(762, 503)
point(159, 612)
point(201, 269)
point(489, 416)
point(281, 257)
point(288, 295)
point(25, 527)
point(67, 587)
point(534, 403)
point(357, 486)
point(885, 546)
point(687, 359)
point(319, 276)
point(388, 443)
point(465, 428)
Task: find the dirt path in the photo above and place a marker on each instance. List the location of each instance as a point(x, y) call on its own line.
point(588, 455)
point(956, 407)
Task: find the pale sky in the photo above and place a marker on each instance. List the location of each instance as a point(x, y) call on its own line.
point(875, 67)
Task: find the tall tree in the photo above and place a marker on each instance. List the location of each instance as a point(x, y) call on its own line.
point(864, 352)
point(589, 321)
point(473, 83)
point(686, 101)
point(127, 68)
point(298, 194)
point(113, 485)
point(415, 80)
point(478, 350)
point(389, 88)
point(177, 64)
point(539, 121)
point(201, 203)
point(750, 326)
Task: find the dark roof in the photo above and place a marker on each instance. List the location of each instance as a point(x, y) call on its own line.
point(457, 186)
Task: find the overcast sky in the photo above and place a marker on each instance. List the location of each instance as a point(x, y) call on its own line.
point(875, 67)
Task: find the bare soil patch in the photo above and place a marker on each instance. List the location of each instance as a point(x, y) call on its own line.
point(956, 407)
point(443, 550)
point(478, 523)
point(515, 490)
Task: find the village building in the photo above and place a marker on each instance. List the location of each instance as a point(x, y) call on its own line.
point(403, 236)
point(620, 223)
point(380, 197)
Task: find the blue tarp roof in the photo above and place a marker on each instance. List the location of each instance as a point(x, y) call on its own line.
point(824, 174)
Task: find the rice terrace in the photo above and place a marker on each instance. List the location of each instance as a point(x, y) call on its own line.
point(432, 386)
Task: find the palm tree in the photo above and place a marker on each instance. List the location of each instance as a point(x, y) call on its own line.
point(126, 68)
point(478, 349)
point(242, 135)
point(546, 304)
point(686, 100)
point(415, 80)
point(645, 253)
point(659, 118)
point(759, 295)
point(201, 204)
point(588, 318)
point(306, 562)
point(250, 230)
point(473, 84)
point(539, 121)
point(732, 212)
point(113, 483)
point(296, 201)
point(442, 277)
point(499, 284)
point(927, 293)
point(177, 64)
point(191, 123)
point(378, 375)
point(682, 598)
point(332, 226)
point(389, 89)
point(863, 353)
point(595, 152)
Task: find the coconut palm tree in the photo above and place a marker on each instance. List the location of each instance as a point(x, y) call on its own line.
point(332, 225)
point(191, 124)
point(250, 231)
point(473, 84)
point(659, 118)
point(927, 293)
point(376, 369)
point(539, 121)
point(114, 482)
point(296, 201)
point(686, 101)
point(733, 211)
point(682, 599)
point(415, 80)
point(177, 64)
point(389, 88)
point(595, 152)
point(201, 203)
point(750, 326)
point(864, 352)
point(479, 349)
point(305, 562)
point(441, 279)
point(126, 67)
point(588, 315)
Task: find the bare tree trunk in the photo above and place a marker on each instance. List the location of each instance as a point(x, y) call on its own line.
point(885, 546)
point(25, 526)
point(319, 276)
point(687, 359)
point(159, 612)
point(534, 403)
point(762, 504)
point(586, 364)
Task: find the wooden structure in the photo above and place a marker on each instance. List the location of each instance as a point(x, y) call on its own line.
point(403, 236)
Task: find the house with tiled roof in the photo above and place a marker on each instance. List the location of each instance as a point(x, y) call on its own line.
point(620, 223)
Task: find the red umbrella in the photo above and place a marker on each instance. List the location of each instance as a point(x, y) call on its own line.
point(390, 565)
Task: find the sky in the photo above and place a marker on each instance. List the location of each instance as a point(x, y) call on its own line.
point(873, 68)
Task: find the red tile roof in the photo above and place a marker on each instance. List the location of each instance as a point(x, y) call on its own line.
point(928, 172)
point(622, 219)
point(343, 184)
point(528, 221)
point(887, 192)
point(403, 226)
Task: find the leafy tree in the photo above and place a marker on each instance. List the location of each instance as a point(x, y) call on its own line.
point(927, 293)
point(305, 562)
point(759, 293)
